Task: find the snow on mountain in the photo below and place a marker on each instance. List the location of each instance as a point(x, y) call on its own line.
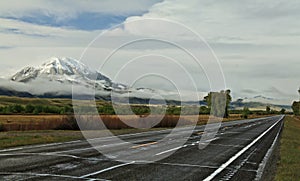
point(266, 100)
point(66, 71)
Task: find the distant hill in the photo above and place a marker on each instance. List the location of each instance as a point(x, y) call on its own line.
point(259, 103)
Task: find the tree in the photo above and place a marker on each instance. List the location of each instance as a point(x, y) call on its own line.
point(16, 108)
point(29, 108)
point(296, 108)
point(204, 110)
point(218, 103)
point(245, 112)
point(282, 111)
point(228, 100)
point(268, 109)
point(38, 109)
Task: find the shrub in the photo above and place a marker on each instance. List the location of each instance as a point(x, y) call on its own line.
point(68, 123)
point(2, 128)
point(29, 108)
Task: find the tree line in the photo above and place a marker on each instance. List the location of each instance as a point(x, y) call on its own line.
point(296, 106)
point(217, 104)
point(35, 109)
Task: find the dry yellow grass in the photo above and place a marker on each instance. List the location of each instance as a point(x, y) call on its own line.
point(48, 122)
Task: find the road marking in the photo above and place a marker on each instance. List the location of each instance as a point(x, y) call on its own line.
point(48, 175)
point(225, 145)
point(107, 169)
point(40, 146)
point(142, 145)
point(262, 165)
point(232, 172)
point(91, 148)
point(168, 150)
point(244, 139)
point(39, 154)
point(204, 142)
point(187, 165)
point(130, 134)
point(11, 149)
point(51, 154)
point(232, 159)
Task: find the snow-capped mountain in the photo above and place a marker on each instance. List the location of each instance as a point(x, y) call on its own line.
point(66, 71)
point(62, 77)
point(266, 100)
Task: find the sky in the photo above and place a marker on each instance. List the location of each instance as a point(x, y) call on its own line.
point(255, 42)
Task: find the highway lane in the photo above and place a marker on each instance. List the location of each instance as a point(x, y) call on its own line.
point(239, 151)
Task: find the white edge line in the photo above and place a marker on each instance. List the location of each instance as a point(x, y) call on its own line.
point(262, 165)
point(107, 169)
point(226, 164)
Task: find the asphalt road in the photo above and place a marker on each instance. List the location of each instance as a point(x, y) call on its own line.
point(239, 151)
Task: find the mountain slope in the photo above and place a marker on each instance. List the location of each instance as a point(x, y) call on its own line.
point(66, 71)
point(260, 102)
point(265, 100)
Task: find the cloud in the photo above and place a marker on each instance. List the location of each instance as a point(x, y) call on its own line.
point(14, 33)
point(87, 15)
point(250, 91)
point(61, 7)
point(234, 21)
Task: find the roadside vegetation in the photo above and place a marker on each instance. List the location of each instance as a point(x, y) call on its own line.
point(23, 114)
point(68, 122)
point(25, 121)
point(22, 138)
point(289, 163)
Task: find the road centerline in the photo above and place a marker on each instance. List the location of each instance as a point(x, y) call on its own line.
point(143, 145)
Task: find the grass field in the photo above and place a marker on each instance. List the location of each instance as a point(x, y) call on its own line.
point(7, 100)
point(289, 164)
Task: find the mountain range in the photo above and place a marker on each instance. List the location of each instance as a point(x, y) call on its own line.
point(55, 78)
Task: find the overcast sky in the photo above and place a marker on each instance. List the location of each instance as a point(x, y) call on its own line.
point(256, 42)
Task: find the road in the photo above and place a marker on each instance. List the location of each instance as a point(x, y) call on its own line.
point(239, 151)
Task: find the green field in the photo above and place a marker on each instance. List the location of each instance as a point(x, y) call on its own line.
point(289, 164)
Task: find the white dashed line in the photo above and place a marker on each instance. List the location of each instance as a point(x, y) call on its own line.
point(177, 148)
point(107, 169)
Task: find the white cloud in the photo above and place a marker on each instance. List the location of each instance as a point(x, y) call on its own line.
point(15, 33)
point(263, 37)
point(65, 9)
